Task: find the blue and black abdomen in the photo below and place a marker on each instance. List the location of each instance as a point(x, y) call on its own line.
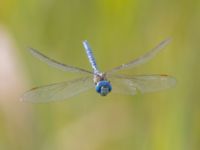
point(90, 57)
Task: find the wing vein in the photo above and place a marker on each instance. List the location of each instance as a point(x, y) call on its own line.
point(57, 64)
point(142, 59)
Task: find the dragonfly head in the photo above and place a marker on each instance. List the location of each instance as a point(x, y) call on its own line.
point(103, 87)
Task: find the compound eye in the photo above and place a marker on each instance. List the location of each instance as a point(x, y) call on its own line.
point(103, 87)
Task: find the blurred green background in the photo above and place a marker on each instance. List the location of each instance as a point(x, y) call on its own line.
point(118, 31)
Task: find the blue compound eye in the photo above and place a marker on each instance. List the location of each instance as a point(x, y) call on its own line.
point(103, 87)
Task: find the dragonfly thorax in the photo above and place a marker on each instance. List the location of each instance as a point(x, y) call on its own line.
point(99, 77)
point(103, 87)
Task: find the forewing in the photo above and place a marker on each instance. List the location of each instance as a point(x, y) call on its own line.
point(58, 91)
point(142, 83)
point(143, 59)
point(57, 64)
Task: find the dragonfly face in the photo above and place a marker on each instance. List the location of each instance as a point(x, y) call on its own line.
point(103, 86)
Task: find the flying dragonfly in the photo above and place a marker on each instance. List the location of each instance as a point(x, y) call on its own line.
point(103, 82)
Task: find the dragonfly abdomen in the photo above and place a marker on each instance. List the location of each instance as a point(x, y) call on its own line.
point(90, 57)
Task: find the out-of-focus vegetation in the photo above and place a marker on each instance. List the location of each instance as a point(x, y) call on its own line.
point(118, 31)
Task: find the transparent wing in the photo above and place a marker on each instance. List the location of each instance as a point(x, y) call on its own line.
point(143, 59)
point(57, 64)
point(58, 91)
point(142, 83)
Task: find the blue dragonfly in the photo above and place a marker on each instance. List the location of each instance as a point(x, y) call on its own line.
point(103, 82)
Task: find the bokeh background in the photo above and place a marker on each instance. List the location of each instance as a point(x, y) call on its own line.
point(118, 31)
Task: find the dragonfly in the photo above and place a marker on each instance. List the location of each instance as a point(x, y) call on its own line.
point(102, 82)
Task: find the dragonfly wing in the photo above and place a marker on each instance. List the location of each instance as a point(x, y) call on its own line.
point(58, 91)
point(143, 59)
point(57, 64)
point(143, 83)
point(122, 86)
